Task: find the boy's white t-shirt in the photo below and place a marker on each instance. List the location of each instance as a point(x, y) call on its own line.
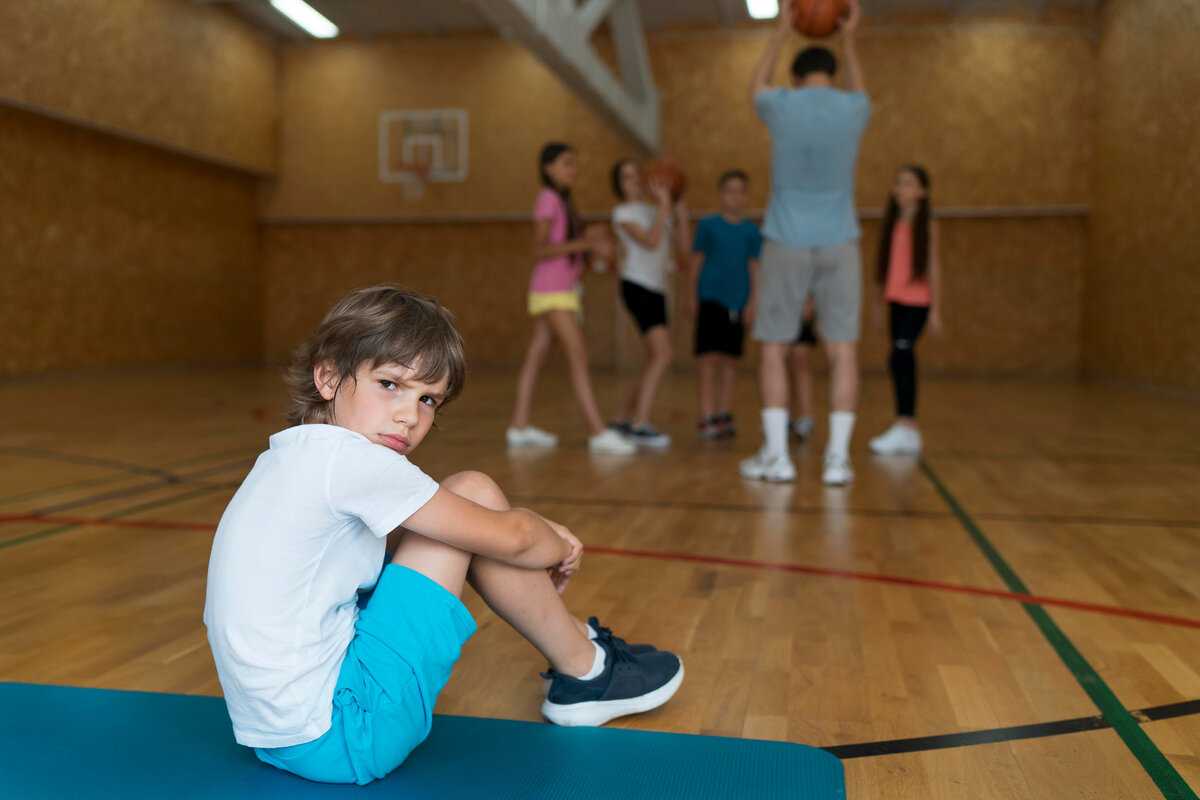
point(645, 267)
point(303, 535)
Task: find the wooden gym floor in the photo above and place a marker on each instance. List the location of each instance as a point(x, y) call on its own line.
point(935, 624)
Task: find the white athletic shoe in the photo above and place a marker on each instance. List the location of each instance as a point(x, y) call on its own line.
point(764, 467)
point(530, 437)
point(897, 439)
point(837, 471)
point(611, 442)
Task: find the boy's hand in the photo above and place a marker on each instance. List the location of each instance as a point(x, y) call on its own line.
point(849, 23)
point(561, 573)
point(748, 313)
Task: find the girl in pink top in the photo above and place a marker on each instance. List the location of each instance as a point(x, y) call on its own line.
point(560, 249)
point(908, 271)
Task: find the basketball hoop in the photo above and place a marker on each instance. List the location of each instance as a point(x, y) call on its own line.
point(414, 176)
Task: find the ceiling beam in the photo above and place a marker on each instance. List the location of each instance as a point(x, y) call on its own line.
point(557, 33)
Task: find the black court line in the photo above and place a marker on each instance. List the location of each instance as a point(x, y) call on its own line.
point(87, 461)
point(1039, 730)
point(822, 511)
point(166, 468)
point(142, 488)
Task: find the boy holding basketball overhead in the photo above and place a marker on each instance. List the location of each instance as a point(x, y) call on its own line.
point(810, 237)
point(334, 686)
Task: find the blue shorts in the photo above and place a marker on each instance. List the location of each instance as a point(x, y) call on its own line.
point(405, 642)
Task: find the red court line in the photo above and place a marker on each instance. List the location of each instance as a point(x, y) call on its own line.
point(1074, 605)
point(1002, 594)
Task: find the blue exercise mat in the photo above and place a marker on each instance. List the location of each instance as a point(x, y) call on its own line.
point(67, 742)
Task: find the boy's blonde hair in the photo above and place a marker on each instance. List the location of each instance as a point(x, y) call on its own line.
point(382, 324)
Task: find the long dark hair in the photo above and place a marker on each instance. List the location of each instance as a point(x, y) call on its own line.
point(614, 177)
point(920, 239)
point(550, 152)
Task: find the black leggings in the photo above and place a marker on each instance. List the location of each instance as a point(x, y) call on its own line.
point(907, 324)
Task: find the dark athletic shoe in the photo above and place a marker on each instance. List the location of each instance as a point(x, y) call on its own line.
point(636, 649)
point(621, 426)
point(630, 684)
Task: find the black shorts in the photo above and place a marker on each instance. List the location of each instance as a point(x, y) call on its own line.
point(648, 308)
point(808, 332)
point(719, 330)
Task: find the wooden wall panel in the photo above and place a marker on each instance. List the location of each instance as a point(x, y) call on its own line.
point(1010, 308)
point(1143, 282)
point(193, 76)
point(1000, 113)
point(116, 254)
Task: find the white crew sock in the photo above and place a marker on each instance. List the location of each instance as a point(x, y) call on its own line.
point(775, 428)
point(597, 664)
point(841, 425)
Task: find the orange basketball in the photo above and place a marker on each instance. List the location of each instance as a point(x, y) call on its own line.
point(817, 18)
point(670, 172)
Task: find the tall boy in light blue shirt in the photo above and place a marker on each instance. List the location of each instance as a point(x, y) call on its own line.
point(810, 238)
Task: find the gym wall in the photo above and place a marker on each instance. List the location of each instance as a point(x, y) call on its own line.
point(1000, 110)
point(134, 135)
point(1142, 294)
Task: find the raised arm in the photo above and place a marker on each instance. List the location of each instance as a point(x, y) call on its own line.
point(849, 26)
point(760, 79)
point(649, 238)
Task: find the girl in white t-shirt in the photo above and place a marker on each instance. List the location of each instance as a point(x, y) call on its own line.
point(645, 232)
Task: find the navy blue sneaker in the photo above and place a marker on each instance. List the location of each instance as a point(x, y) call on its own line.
point(636, 649)
point(629, 684)
point(621, 426)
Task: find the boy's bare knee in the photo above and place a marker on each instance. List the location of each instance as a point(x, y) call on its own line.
point(476, 487)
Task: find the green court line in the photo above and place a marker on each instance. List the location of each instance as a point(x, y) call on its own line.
point(128, 512)
point(1157, 766)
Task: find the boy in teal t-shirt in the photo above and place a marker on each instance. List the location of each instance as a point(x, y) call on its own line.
point(724, 272)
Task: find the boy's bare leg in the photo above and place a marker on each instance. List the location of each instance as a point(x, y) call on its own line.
point(524, 598)
point(705, 380)
point(728, 372)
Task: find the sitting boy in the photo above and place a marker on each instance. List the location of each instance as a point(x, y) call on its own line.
point(335, 693)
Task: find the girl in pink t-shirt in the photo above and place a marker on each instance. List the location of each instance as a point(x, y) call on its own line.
point(908, 271)
point(560, 249)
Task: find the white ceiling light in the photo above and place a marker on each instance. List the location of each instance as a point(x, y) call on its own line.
point(763, 9)
point(306, 17)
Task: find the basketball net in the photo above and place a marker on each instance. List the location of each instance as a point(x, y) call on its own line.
point(416, 175)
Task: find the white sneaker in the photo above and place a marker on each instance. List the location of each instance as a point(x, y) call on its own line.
point(897, 439)
point(837, 471)
point(762, 467)
point(530, 437)
point(611, 442)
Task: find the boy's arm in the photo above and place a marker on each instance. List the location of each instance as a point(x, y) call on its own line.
point(752, 303)
point(517, 536)
point(697, 264)
point(760, 79)
point(849, 25)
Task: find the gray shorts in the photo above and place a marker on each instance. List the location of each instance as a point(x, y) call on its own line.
point(788, 275)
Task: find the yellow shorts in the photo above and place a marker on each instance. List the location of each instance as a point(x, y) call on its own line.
point(541, 302)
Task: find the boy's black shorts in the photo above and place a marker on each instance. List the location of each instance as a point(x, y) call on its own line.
point(648, 308)
point(719, 330)
point(808, 332)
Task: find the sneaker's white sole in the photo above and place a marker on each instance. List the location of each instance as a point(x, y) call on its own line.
point(598, 712)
